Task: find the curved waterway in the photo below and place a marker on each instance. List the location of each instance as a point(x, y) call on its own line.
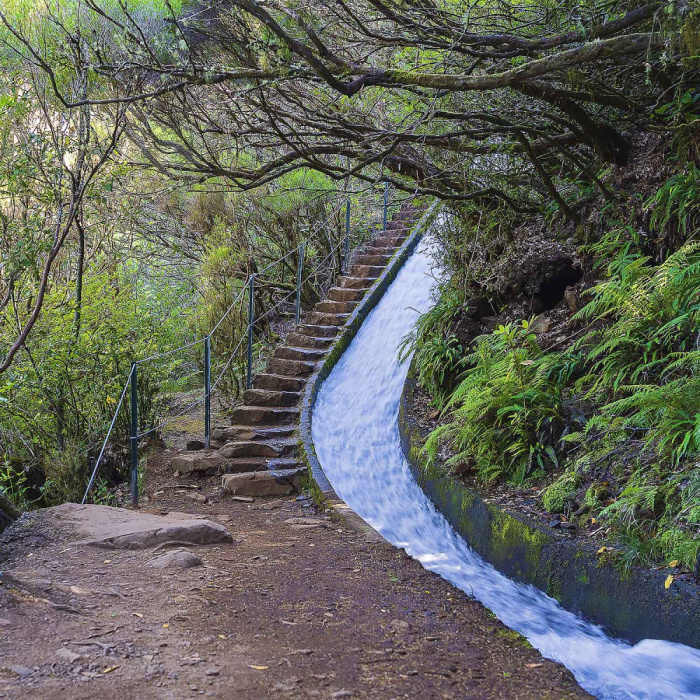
point(356, 436)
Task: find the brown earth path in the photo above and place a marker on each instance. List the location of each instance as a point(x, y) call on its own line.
point(296, 606)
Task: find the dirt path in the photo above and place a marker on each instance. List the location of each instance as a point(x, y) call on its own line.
point(297, 606)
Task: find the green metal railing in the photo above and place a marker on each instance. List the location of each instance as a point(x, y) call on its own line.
point(248, 290)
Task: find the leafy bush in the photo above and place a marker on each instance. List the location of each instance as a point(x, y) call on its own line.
point(506, 411)
point(438, 352)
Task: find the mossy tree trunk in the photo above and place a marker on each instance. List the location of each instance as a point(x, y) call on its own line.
point(8, 511)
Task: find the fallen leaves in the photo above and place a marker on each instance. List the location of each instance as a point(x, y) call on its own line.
point(668, 581)
point(533, 665)
point(258, 668)
point(673, 564)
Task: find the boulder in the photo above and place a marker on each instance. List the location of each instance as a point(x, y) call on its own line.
point(119, 528)
point(178, 559)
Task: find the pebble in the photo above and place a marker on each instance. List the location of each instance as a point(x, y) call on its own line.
point(22, 671)
point(211, 672)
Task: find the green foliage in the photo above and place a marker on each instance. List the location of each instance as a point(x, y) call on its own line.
point(560, 496)
point(506, 410)
point(13, 482)
point(619, 410)
point(438, 352)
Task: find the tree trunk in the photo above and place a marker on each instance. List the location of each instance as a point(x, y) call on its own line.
point(8, 512)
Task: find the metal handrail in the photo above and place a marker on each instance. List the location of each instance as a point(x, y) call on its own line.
point(249, 287)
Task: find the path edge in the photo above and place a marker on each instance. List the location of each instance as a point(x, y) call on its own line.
point(317, 482)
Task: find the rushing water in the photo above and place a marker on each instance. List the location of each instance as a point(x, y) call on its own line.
point(355, 431)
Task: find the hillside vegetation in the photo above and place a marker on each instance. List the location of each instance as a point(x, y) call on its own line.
point(153, 154)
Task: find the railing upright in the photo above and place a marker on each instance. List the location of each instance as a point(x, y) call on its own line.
point(251, 321)
point(346, 252)
point(134, 437)
point(300, 272)
point(386, 202)
point(207, 391)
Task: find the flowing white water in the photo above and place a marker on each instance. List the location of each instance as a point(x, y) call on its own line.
point(355, 432)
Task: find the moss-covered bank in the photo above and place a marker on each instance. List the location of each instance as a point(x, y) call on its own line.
point(633, 605)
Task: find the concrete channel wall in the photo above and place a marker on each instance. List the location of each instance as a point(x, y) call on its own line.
point(632, 605)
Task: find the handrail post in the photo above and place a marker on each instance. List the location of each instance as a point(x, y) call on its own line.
point(207, 391)
point(347, 236)
point(300, 272)
point(386, 201)
point(134, 438)
point(251, 320)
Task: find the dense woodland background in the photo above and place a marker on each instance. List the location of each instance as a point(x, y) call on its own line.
point(153, 153)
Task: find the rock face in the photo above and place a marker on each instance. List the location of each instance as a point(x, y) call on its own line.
point(280, 483)
point(179, 559)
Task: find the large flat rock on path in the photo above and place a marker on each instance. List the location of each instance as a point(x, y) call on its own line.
point(119, 528)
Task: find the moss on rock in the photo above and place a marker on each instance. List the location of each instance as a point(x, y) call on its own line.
point(561, 495)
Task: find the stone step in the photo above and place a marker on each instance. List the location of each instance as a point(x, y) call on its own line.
point(335, 307)
point(342, 294)
point(308, 341)
point(327, 319)
point(374, 249)
point(280, 483)
point(389, 241)
point(318, 331)
point(289, 368)
point(371, 271)
point(249, 449)
point(247, 415)
point(278, 382)
point(281, 448)
point(244, 433)
point(362, 283)
point(265, 397)
point(305, 354)
point(238, 465)
point(282, 464)
point(371, 259)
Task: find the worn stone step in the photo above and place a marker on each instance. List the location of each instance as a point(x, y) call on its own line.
point(283, 464)
point(244, 433)
point(335, 307)
point(389, 241)
point(289, 368)
point(287, 352)
point(362, 283)
point(375, 249)
point(278, 382)
point(342, 294)
point(280, 483)
point(273, 448)
point(318, 331)
point(238, 465)
point(371, 259)
point(371, 271)
point(246, 415)
point(266, 397)
point(308, 341)
point(249, 449)
point(327, 319)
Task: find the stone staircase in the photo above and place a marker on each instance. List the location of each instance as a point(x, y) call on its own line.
point(258, 453)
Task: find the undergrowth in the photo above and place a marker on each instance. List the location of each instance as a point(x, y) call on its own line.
point(610, 424)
